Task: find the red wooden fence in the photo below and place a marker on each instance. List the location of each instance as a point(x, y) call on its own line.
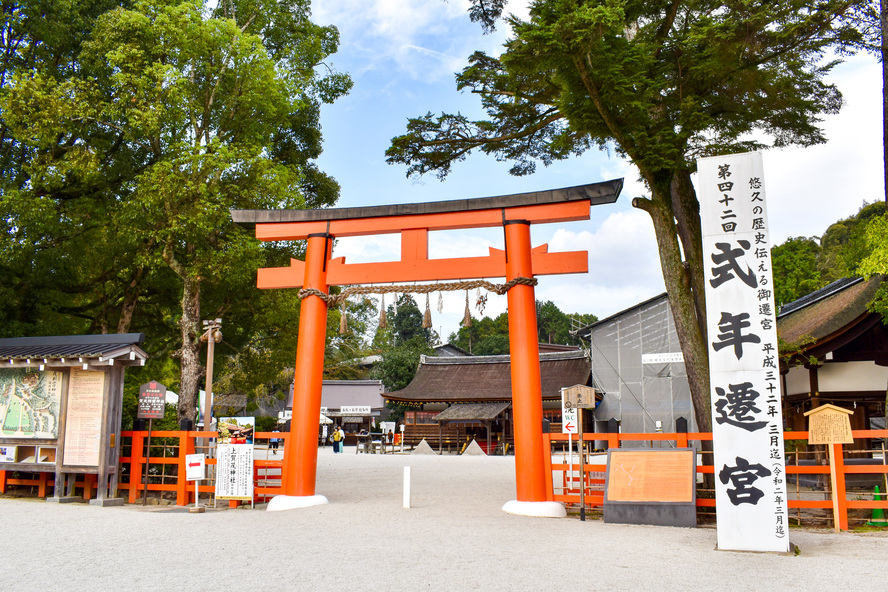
point(594, 492)
point(184, 443)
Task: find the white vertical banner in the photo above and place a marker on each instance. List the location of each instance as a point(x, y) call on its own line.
point(747, 420)
point(234, 472)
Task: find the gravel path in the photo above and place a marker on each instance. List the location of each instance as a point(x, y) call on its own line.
point(454, 537)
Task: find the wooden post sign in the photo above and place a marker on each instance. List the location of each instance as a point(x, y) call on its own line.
point(579, 396)
point(831, 425)
point(573, 400)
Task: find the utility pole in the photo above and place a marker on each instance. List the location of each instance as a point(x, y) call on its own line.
point(212, 335)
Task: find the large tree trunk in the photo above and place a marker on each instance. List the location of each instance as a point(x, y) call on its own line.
point(189, 326)
point(680, 280)
point(130, 298)
point(189, 355)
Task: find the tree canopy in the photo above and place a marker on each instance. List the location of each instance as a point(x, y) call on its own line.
point(658, 82)
point(488, 336)
point(805, 264)
point(130, 131)
point(401, 343)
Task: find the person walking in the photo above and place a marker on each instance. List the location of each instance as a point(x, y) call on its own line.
point(275, 441)
point(337, 435)
point(341, 439)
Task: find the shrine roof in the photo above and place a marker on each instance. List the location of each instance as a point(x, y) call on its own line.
point(604, 192)
point(472, 412)
point(487, 379)
point(123, 347)
point(830, 316)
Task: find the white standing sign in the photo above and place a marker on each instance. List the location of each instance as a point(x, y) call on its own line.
point(195, 467)
point(750, 471)
point(568, 416)
point(234, 472)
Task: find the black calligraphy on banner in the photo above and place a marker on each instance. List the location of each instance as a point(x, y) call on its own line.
point(742, 477)
point(737, 407)
point(728, 267)
point(731, 327)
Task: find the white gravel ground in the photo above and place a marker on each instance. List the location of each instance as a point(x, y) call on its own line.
point(454, 537)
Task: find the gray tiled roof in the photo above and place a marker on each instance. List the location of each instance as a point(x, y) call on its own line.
point(67, 346)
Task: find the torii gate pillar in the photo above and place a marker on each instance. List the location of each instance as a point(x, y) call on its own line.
point(527, 398)
point(514, 213)
point(299, 479)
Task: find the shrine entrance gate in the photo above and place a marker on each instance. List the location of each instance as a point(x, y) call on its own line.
point(519, 263)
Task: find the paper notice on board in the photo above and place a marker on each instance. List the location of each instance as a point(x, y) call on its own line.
point(83, 420)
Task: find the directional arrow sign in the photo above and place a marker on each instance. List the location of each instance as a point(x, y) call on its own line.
point(195, 467)
point(570, 427)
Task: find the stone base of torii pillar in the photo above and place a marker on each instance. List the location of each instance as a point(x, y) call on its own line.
point(537, 509)
point(292, 502)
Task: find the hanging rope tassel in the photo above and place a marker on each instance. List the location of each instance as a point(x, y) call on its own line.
point(383, 322)
point(467, 318)
point(343, 320)
point(427, 317)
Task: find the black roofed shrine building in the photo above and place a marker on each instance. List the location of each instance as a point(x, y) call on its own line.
point(456, 398)
point(840, 354)
point(60, 408)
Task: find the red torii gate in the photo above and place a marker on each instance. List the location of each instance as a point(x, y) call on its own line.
point(515, 213)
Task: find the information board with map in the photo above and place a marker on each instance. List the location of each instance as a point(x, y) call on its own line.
point(29, 403)
point(83, 424)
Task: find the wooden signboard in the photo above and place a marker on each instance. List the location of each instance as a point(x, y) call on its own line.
point(651, 476)
point(651, 487)
point(578, 396)
point(829, 424)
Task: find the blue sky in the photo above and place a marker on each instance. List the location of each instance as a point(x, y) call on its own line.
point(402, 56)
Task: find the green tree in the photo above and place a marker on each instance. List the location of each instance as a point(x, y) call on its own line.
point(401, 343)
point(174, 115)
point(876, 263)
point(844, 245)
point(488, 336)
point(405, 320)
point(658, 82)
point(794, 265)
point(398, 364)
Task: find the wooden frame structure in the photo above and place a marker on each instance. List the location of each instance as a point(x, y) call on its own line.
point(515, 213)
point(90, 398)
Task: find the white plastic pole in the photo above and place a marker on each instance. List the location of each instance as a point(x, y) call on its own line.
point(406, 487)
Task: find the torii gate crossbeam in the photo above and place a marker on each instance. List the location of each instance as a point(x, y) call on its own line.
point(515, 213)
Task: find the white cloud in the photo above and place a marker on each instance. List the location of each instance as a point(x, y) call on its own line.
point(426, 41)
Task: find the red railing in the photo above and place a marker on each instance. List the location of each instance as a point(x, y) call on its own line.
point(184, 443)
point(594, 485)
point(263, 469)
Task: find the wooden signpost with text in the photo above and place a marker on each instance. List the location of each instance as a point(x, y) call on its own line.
point(831, 425)
point(573, 400)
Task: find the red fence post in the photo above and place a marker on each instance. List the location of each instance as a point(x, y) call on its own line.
point(547, 462)
point(839, 492)
point(186, 446)
point(135, 475)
